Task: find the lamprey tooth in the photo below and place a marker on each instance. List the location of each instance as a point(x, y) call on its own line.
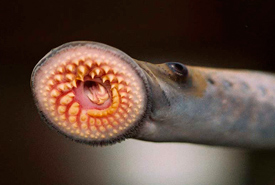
point(80, 77)
point(98, 61)
point(123, 100)
point(93, 128)
point(70, 68)
point(70, 76)
point(105, 121)
point(50, 82)
point(98, 122)
point(72, 119)
point(102, 129)
point(104, 78)
point(65, 100)
point(55, 93)
point(102, 90)
point(58, 77)
point(82, 70)
point(106, 69)
point(92, 74)
point(63, 118)
point(84, 126)
point(119, 79)
point(111, 77)
point(71, 95)
point(52, 100)
point(61, 69)
point(88, 91)
point(120, 86)
point(89, 63)
point(117, 86)
point(83, 117)
point(123, 94)
point(128, 89)
point(74, 109)
point(68, 85)
point(62, 87)
point(74, 83)
point(76, 62)
point(92, 121)
point(97, 71)
point(48, 88)
point(61, 109)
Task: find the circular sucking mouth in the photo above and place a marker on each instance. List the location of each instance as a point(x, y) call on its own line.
point(90, 92)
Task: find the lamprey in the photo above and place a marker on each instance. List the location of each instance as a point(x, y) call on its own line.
point(95, 94)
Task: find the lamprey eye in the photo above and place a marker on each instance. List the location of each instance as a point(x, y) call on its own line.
point(90, 92)
point(178, 68)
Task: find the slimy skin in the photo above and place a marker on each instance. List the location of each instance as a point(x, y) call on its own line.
point(211, 106)
point(95, 94)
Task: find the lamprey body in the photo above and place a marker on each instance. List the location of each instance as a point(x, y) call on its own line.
point(96, 94)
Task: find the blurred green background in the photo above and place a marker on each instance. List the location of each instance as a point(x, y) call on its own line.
point(231, 34)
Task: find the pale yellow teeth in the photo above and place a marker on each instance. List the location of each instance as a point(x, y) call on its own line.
point(89, 63)
point(90, 94)
point(74, 109)
point(83, 117)
point(69, 85)
point(82, 70)
point(70, 68)
point(92, 121)
point(76, 62)
point(128, 89)
point(98, 61)
point(61, 109)
point(102, 90)
point(55, 93)
point(52, 100)
point(63, 117)
point(61, 69)
point(63, 87)
point(109, 77)
point(92, 74)
point(74, 83)
point(65, 100)
point(72, 119)
point(71, 94)
point(58, 78)
point(97, 71)
point(119, 79)
point(104, 79)
point(50, 82)
point(106, 69)
point(123, 100)
point(120, 86)
point(70, 76)
point(117, 86)
point(123, 94)
point(80, 77)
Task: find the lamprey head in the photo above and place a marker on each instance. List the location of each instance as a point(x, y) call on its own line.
point(91, 92)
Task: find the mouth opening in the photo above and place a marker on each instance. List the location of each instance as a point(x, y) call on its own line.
point(96, 92)
point(90, 92)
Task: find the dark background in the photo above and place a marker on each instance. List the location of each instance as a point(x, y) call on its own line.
point(231, 34)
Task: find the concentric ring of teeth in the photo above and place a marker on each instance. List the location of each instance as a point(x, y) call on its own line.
point(90, 94)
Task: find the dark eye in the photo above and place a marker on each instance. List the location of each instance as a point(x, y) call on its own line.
point(178, 68)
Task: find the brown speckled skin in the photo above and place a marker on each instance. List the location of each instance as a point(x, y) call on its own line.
point(211, 106)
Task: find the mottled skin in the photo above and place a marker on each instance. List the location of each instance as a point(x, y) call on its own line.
point(211, 106)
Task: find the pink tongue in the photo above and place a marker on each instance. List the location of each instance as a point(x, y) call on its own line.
point(88, 97)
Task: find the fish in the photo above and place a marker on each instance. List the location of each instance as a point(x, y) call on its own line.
point(96, 94)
